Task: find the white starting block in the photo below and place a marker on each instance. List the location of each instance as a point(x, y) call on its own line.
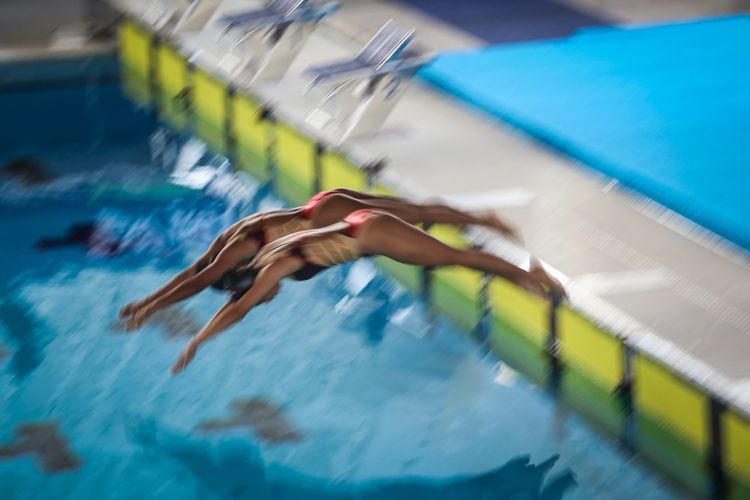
point(178, 15)
point(175, 16)
point(364, 90)
point(196, 15)
point(263, 43)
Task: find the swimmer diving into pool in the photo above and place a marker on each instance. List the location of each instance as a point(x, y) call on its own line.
point(239, 244)
point(302, 255)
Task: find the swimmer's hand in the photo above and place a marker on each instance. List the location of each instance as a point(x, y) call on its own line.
point(131, 308)
point(185, 358)
point(138, 318)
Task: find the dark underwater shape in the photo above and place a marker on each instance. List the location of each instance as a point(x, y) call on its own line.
point(27, 171)
point(263, 417)
point(22, 330)
point(84, 234)
point(237, 470)
point(45, 441)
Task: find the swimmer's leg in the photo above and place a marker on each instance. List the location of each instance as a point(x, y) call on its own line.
point(360, 195)
point(389, 236)
point(337, 206)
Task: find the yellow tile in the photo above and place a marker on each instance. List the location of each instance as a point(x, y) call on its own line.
point(450, 235)
point(172, 77)
point(135, 49)
point(252, 136)
point(585, 346)
point(172, 71)
point(737, 445)
point(209, 99)
point(338, 172)
point(294, 156)
point(521, 310)
point(455, 291)
point(672, 402)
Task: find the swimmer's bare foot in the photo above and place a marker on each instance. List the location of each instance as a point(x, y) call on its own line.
point(493, 221)
point(533, 286)
point(556, 290)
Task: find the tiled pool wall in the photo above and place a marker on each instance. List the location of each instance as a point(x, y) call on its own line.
point(651, 407)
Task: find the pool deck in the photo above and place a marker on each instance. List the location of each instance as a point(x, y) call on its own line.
point(670, 286)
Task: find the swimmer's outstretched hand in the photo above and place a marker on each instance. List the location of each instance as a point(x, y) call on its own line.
point(185, 358)
point(138, 318)
point(131, 308)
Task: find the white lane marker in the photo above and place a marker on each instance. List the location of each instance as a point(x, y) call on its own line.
point(502, 198)
point(699, 296)
point(619, 282)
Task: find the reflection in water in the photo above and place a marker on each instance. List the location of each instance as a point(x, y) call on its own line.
point(263, 417)
point(46, 443)
point(367, 314)
point(24, 333)
point(229, 469)
point(373, 303)
point(174, 321)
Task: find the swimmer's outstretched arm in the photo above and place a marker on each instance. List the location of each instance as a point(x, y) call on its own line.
point(202, 262)
point(228, 258)
point(263, 290)
point(213, 250)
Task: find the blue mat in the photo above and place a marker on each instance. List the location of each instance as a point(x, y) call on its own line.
point(664, 109)
point(500, 21)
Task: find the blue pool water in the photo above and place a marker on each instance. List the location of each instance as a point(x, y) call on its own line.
point(386, 401)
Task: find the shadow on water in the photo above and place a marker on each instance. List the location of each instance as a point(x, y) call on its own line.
point(45, 442)
point(263, 417)
point(24, 333)
point(233, 469)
